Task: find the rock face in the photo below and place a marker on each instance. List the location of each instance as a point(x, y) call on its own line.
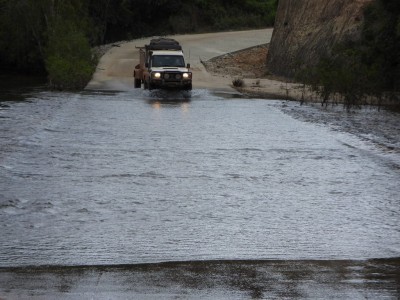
point(306, 30)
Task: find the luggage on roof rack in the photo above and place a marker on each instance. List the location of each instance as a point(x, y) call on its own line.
point(163, 44)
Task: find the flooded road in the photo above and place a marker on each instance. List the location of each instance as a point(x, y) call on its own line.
point(127, 178)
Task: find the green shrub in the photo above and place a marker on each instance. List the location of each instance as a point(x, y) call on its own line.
point(65, 74)
point(69, 61)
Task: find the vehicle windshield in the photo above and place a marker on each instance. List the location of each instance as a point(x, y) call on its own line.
point(167, 61)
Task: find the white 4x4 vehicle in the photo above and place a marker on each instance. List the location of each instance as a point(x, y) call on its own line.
point(162, 66)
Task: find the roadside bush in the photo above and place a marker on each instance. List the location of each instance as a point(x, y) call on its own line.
point(343, 76)
point(65, 74)
point(238, 82)
point(69, 62)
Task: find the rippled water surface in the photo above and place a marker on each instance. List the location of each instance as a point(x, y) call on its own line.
point(121, 178)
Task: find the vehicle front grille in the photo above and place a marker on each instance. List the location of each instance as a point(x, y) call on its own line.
point(172, 76)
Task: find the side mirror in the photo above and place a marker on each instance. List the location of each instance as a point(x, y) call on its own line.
point(188, 66)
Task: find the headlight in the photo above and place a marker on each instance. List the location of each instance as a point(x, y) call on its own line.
point(186, 75)
point(157, 75)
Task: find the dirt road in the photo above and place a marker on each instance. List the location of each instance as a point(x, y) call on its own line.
point(115, 69)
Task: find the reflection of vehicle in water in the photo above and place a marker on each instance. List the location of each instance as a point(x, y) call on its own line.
point(162, 65)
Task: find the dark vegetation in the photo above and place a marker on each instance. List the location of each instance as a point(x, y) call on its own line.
point(238, 82)
point(54, 37)
point(368, 69)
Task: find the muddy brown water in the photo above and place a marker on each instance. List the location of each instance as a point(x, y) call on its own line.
point(223, 197)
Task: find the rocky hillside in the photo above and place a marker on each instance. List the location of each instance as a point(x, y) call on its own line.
point(306, 30)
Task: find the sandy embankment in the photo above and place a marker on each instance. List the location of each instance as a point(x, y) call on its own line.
point(115, 69)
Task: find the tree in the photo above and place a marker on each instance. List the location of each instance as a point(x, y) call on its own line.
point(22, 35)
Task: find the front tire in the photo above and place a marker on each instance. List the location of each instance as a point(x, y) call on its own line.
point(148, 85)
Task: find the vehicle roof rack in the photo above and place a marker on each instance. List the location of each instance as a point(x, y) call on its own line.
point(163, 44)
